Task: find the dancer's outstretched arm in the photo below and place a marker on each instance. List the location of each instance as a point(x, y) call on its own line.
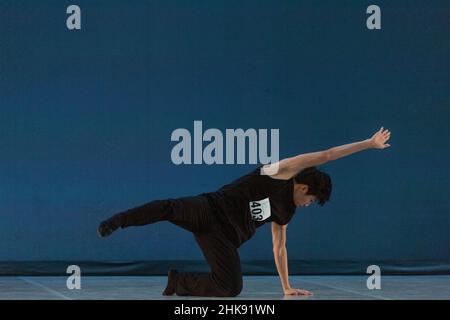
point(289, 167)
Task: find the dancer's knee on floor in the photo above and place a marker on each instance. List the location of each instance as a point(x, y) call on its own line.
point(232, 287)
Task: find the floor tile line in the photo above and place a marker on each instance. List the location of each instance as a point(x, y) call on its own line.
point(346, 290)
point(37, 284)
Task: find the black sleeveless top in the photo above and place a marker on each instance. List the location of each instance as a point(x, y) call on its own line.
point(250, 201)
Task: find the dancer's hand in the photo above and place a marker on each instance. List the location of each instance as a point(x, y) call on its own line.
point(379, 139)
point(297, 292)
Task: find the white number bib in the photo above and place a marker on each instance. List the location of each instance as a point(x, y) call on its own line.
point(260, 210)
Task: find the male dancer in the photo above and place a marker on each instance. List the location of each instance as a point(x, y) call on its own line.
point(221, 221)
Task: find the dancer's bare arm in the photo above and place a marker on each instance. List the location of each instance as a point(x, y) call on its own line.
point(289, 167)
point(281, 260)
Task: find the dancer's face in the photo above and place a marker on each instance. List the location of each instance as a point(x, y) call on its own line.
point(301, 198)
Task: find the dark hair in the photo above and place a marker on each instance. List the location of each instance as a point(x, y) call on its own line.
point(318, 182)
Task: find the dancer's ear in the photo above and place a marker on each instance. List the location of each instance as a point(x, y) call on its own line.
point(303, 188)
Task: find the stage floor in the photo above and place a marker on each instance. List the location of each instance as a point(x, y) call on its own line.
point(255, 288)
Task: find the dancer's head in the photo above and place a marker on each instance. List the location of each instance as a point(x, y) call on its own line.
point(311, 185)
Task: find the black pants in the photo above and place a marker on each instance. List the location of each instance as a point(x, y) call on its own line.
point(195, 215)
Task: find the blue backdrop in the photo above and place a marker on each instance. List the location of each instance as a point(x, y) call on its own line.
point(86, 118)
